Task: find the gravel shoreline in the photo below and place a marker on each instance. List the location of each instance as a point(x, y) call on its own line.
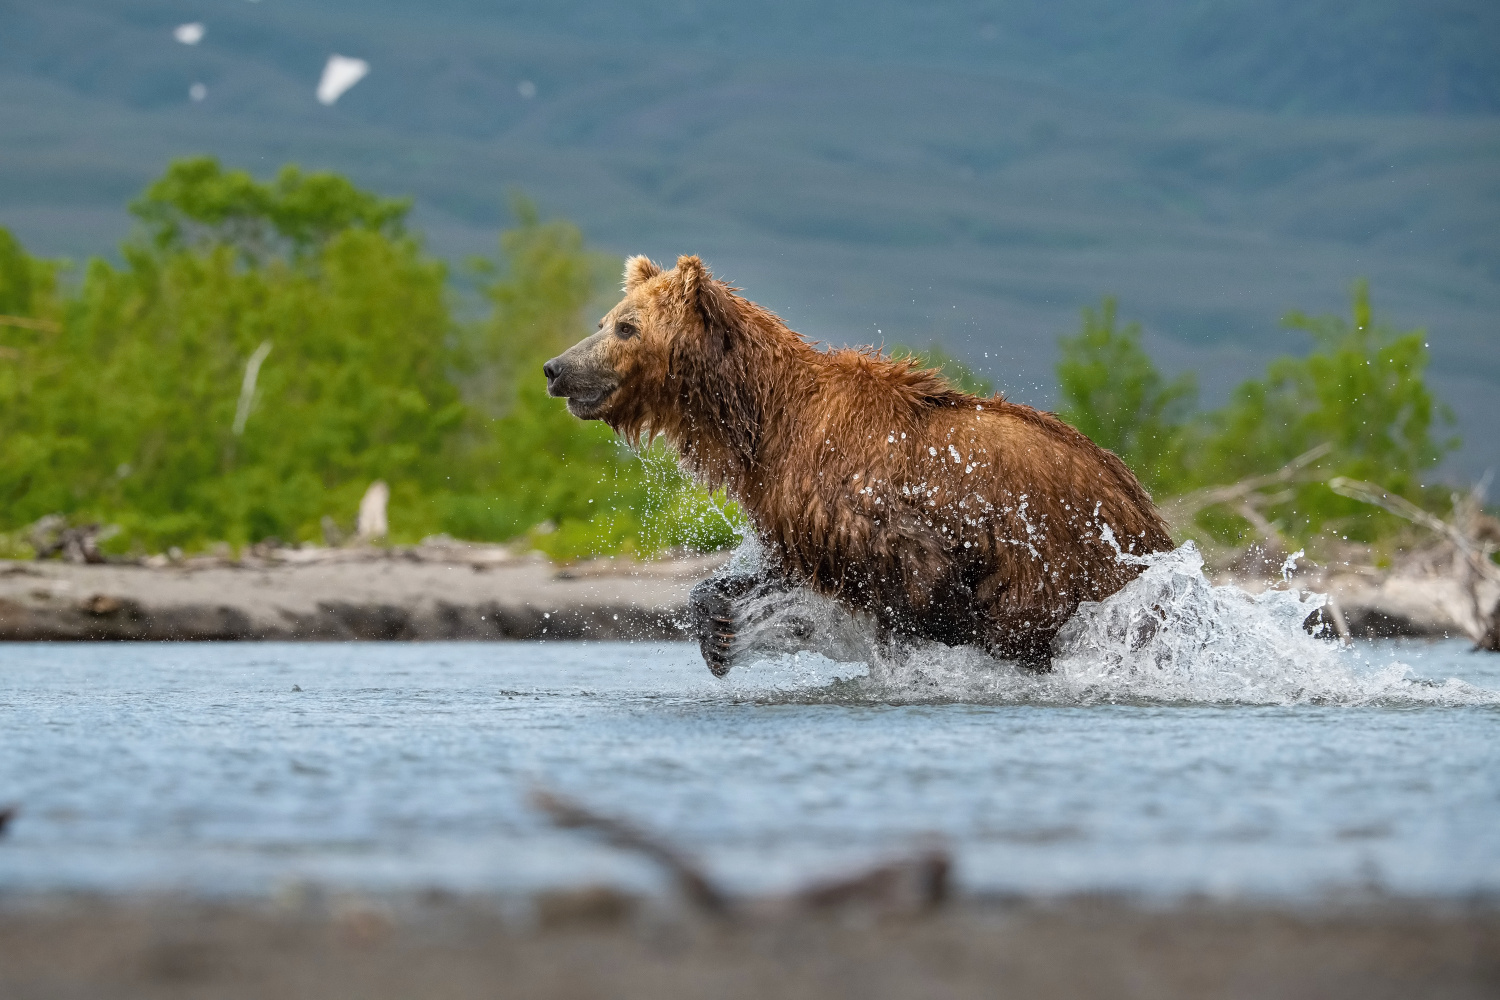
point(453, 946)
point(465, 592)
point(453, 593)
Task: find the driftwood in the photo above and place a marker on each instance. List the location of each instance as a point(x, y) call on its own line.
point(247, 388)
point(1246, 497)
point(53, 536)
point(906, 885)
point(1251, 498)
point(1472, 535)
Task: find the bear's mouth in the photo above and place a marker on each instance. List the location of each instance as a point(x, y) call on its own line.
point(588, 406)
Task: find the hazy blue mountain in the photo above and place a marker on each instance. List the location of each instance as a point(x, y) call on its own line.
point(970, 172)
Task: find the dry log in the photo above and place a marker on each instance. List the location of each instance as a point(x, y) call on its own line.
point(372, 523)
point(53, 536)
point(1468, 531)
point(1246, 497)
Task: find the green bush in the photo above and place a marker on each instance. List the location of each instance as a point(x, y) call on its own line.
point(1361, 392)
point(132, 412)
point(1113, 392)
point(143, 408)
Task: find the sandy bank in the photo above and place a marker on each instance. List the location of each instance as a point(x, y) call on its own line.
point(459, 591)
point(455, 947)
point(453, 593)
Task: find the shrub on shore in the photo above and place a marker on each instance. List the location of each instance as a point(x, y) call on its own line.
point(265, 350)
point(1358, 402)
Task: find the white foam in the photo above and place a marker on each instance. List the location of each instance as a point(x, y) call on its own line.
point(1169, 636)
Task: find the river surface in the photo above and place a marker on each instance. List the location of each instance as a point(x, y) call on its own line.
point(244, 769)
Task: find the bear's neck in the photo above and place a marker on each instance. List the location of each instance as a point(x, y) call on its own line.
point(732, 434)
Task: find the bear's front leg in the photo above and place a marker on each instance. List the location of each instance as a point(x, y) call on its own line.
point(711, 608)
point(751, 610)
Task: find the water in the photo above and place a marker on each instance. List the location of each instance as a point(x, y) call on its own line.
point(1289, 771)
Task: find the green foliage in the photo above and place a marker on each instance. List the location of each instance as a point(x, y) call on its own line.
point(965, 378)
point(1361, 392)
point(14, 545)
point(27, 285)
point(145, 409)
point(536, 304)
point(1113, 393)
point(129, 413)
point(1361, 389)
point(198, 203)
point(15, 277)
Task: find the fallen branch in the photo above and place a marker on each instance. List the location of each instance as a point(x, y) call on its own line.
point(1465, 538)
point(910, 884)
point(920, 882)
point(695, 885)
point(1245, 495)
point(1393, 503)
point(52, 536)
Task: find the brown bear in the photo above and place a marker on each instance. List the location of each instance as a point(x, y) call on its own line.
point(939, 514)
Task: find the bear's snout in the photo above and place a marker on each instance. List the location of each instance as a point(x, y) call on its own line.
point(564, 379)
point(584, 376)
point(554, 370)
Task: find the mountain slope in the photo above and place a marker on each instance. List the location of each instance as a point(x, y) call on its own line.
point(972, 173)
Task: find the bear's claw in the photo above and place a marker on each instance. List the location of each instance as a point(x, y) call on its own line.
point(717, 644)
point(713, 620)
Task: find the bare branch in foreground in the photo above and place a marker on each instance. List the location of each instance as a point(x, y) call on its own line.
point(696, 886)
point(908, 885)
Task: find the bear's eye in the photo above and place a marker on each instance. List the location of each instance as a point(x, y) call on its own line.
point(625, 330)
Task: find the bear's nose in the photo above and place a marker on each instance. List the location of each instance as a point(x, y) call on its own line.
point(552, 369)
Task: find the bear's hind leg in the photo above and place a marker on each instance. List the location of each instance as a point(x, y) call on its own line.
point(1024, 640)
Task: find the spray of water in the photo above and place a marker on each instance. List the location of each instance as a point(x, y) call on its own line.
point(1169, 636)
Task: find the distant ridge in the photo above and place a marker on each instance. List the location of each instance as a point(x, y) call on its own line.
point(907, 172)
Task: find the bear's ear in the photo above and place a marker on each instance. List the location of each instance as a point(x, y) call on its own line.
point(705, 294)
point(639, 269)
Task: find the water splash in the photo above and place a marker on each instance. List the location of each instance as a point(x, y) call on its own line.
point(1171, 635)
point(773, 622)
point(1168, 637)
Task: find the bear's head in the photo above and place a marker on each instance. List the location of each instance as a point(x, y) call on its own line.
point(659, 356)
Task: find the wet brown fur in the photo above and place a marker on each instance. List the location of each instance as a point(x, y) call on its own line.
point(939, 513)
